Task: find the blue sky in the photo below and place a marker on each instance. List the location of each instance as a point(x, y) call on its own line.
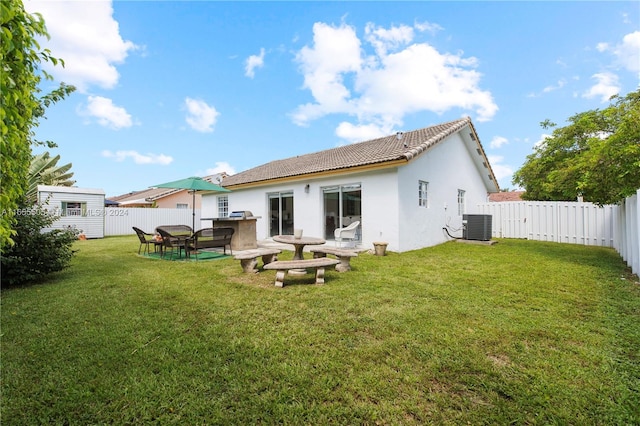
point(171, 89)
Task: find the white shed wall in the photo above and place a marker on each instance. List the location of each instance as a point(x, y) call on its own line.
point(91, 224)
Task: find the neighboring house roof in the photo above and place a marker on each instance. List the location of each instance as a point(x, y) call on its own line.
point(386, 151)
point(506, 196)
point(148, 196)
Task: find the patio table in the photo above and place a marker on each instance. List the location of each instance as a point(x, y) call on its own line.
point(298, 244)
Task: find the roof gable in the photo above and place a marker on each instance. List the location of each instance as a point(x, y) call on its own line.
point(388, 150)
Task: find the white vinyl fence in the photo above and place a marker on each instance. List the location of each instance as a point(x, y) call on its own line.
point(627, 238)
point(120, 221)
point(613, 226)
point(561, 222)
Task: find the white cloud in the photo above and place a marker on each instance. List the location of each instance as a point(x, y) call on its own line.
point(253, 62)
point(498, 141)
point(559, 85)
point(427, 26)
point(607, 85)
point(499, 170)
point(107, 114)
point(602, 47)
point(362, 132)
point(399, 78)
point(221, 166)
point(138, 158)
point(383, 39)
point(540, 142)
point(628, 52)
point(87, 38)
point(200, 116)
point(336, 51)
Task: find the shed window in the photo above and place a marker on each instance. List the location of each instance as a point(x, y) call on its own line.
point(74, 208)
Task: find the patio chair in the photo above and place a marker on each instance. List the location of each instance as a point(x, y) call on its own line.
point(144, 240)
point(172, 242)
point(347, 233)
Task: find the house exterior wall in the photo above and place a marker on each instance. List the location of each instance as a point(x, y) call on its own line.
point(447, 167)
point(379, 205)
point(181, 197)
point(380, 209)
point(90, 222)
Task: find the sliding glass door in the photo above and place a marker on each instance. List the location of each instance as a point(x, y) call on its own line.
point(281, 213)
point(342, 205)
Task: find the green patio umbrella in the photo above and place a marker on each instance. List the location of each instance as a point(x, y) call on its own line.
point(193, 184)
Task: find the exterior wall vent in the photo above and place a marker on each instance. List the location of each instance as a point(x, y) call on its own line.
point(476, 227)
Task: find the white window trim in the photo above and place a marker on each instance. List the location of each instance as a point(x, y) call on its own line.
point(423, 194)
point(223, 205)
point(461, 202)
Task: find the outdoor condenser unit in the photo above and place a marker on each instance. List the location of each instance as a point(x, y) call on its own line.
point(476, 227)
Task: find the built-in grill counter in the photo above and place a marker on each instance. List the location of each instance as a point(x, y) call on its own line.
point(243, 223)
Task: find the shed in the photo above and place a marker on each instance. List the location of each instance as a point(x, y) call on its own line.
point(78, 208)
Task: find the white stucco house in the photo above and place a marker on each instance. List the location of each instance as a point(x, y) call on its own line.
point(403, 188)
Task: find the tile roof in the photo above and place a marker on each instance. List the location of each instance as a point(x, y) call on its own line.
point(148, 194)
point(377, 151)
point(506, 196)
point(152, 194)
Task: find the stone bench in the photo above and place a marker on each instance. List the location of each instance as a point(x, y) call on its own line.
point(282, 266)
point(249, 258)
point(344, 256)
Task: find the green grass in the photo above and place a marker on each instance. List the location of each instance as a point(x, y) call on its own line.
point(516, 333)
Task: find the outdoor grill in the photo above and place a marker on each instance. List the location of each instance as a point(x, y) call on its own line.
point(241, 214)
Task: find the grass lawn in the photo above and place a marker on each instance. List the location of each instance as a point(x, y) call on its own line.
point(520, 332)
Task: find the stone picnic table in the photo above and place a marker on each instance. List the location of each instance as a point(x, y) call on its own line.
point(298, 244)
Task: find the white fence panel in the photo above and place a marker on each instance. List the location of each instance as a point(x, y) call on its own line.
point(509, 219)
point(627, 231)
point(616, 226)
point(119, 221)
point(562, 222)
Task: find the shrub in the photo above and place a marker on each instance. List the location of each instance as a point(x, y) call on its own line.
point(36, 252)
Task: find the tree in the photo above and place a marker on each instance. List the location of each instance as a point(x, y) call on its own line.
point(596, 156)
point(45, 171)
point(20, 77)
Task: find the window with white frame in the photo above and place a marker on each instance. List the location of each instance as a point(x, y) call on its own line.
point(461, 202)
point(74, 208)
point(423, 199)
point(182, 206)
point(223, 206)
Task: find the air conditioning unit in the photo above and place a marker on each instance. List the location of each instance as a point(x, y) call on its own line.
point(476, 227)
